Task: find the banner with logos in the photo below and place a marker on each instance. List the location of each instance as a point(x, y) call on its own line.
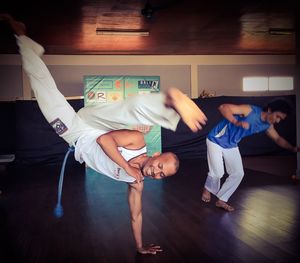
point(103, 89)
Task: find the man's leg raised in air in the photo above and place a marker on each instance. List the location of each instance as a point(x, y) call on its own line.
point(153, 109)
point(52, 103)
point(163, 109)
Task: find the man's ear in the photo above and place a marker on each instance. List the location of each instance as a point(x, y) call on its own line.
point(156, 154)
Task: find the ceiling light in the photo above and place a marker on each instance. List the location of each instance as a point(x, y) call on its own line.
point(124, 32)
point(281, 31)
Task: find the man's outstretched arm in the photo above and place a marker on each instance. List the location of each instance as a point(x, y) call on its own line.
point(280, 141)
point(135, 206)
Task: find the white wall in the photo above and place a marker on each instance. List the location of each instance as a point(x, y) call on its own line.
point(191, 74)
point(228, 79)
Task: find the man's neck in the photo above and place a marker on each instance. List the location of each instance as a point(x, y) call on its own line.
point(140, 160)
point(263, 116)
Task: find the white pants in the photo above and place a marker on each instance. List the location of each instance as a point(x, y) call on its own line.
point(147, 109)
point(142, 109)
point(234, 167)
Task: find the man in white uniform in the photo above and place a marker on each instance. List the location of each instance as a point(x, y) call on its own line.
point(119, 154)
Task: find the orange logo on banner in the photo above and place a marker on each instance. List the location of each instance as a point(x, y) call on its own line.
point(91, 95)
point(118, 84)
point(114, 97)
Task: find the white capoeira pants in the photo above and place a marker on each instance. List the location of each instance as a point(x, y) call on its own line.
point(146, 109)
point(140, 109)
point(234, 167)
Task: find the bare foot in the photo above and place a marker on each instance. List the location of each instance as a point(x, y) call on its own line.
point(4, 16)
point(206, 196)
point(295, 178)
point(17, 26)
point(190, 113)
point(224, 205)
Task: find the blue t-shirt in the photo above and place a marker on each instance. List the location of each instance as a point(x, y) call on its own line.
point(227, 135)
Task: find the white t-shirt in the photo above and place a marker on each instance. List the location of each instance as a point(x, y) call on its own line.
point(89, 151)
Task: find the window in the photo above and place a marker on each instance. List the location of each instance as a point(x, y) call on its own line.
point(281, 83)
point(268, 84)
point(255, 84)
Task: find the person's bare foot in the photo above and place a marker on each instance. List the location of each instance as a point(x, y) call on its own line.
point(4, 16)
point(295, 178)
point(190, 113)
point(224, 205)
point(17, 26)
point(206, 195)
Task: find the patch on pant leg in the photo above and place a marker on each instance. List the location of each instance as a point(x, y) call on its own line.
point(59, 126)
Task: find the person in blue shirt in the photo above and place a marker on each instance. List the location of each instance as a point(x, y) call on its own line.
point(222, 144)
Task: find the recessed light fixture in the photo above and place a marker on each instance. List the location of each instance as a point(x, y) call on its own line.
point(281, 31)
point(124, 32)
